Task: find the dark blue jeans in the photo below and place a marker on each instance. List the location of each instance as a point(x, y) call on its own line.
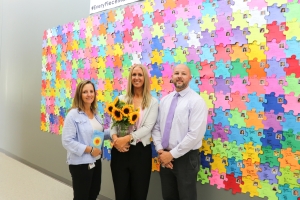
point(180, 182)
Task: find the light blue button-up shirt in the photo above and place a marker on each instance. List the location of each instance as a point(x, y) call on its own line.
point(77, 135)
point(188, 126)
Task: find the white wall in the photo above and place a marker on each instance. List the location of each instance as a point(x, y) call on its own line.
point(22, 24)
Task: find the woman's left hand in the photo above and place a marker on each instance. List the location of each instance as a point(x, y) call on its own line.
point(122, 143)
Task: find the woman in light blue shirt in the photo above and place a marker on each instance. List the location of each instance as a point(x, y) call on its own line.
point(84, 160)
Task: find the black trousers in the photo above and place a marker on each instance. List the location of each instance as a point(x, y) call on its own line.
point(131, 172)
point(179, 183)
point(86, 182)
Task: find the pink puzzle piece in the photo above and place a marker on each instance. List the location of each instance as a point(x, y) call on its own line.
point(193, 11)
point(168, 87)
point(272, 85)
point(257, 3)
point(117, 85)
point(181, 13)
point(223, 53)
point(127, 48)
point(169, 42)
point(293, 103)
point(207, 85)
point(136, 47)
point(276, 50)
point(209, 116)
point(223, 22)
point(223, 37)
point(100, 84)
point(256, 85)
point(217, 179)
point(167, 70)
point(222, 100)
point(239, 85)
point(238, 101)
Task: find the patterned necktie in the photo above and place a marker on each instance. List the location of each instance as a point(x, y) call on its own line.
point(169, 120)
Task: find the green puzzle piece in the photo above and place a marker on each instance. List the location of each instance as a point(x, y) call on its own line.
point(48, 74)
point(293, 11)
point(239, 20)
point(220, 148)
point(76, 25)
point(193, 68)
point(203, 175)
point(180, 56)
point(182, 27)
point(256, 34)
point(75, 64)
point(267, 156)
point(290, 141)
point(278, 2)
point(82, 43)
point(102, 40)
point(239, 68)
point(44, 60)
point(80, 64)
point(126, 60)
point(107, 144)
point(268, 190)
point(292, 86)
point(137, 34)
point(157, 30)
point(125, 72)
point(101, 74)
point(108, 96)
point(288, 177)
point(237, 119)
point(119, 15)
point(109, 74)
point(43, 109)
point(235, 151)
point(208, 24)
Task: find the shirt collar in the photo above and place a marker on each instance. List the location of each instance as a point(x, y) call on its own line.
point(183, 92)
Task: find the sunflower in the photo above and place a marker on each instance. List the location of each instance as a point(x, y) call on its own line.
point(126, 110)
point(115, 101)
point(117, 114)
point(109, 108)
point(97, 141)
point(133, 117)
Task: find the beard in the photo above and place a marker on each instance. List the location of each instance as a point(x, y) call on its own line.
point(184, 85)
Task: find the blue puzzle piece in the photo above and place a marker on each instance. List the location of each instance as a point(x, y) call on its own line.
point(208, 53)
point(220, 116)
point(208, 132)
point(275, 14)
point(194, 84)
point(223, 69)
point(59, 29)
point(209, 9)
point(272, 139)
point(147, 20)
point(293, 48)
point(157, 43)
point(100, 107)
point(272, 103)
point(110, 28)
point(287, 193)
point(253, 136)
point(275, 68)
point(290, 122)
point(155, 71)
point(168, 57)
point(62, 112)
point(254, 102)
point(76, 35)
point(234, 167)
point(154, 152)
point(64, 38)
point(194, 25)
point(101, 51)
point(236, 135)
point(103, 18)
point(118, 37)
point(145, 58)
point(205, 160)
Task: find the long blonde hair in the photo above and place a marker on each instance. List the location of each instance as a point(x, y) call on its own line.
point(146, 87)
point(78, 102)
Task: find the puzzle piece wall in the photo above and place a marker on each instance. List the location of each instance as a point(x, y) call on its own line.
point(244, 56)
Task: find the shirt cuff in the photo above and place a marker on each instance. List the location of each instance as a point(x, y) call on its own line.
point(158, 147)
point(175, 153)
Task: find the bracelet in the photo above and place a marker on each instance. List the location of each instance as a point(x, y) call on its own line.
point(92, 150)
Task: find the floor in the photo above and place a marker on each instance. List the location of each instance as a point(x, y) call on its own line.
point(21, 182)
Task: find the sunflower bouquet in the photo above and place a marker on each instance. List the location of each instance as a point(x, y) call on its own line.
point(123, 115)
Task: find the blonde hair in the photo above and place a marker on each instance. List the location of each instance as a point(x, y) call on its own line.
point(78, 102)
point(146, 87)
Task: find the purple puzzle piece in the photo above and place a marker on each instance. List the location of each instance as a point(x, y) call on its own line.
point(193, 54)
point(239, 36)
point(271, 122)
point(276, 14)
point(147, 33)
point(224, 22)
point(268, 173)
point(181, 41)
point(224, 8)
point(220, 132)
point(275, 68)
point(221, 85)
point(169, 30)
point(194, 25)
point(158, 5)
point(207, 39)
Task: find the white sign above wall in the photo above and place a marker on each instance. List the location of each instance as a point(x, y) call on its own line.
point(100, 5)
